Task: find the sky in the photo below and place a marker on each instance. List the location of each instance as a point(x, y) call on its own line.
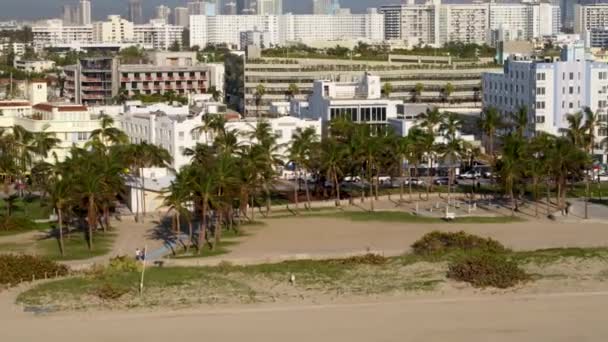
point(37, 9)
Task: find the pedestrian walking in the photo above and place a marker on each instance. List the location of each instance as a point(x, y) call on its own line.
point(137, 254)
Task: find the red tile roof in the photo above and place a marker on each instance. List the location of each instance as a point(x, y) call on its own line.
point(61, 107)
point(14, 103)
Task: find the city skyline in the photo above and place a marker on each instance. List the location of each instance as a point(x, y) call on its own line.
point(35, 9)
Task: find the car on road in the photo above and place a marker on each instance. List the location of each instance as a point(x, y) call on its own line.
point(470, 175)
point(444, 181)
point(415, 181)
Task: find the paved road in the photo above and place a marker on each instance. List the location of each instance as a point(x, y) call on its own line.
point(554, 318)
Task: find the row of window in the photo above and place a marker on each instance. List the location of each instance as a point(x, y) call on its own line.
point(365, 114)
point(160, 74)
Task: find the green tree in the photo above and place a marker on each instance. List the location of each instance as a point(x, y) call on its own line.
point(332, 159)
point(260, 91)
point(387, 89)
point(300, 154)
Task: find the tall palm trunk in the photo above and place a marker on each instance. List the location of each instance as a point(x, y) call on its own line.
point(60, 218)
point(450, 175)
point(337, 188)
point(202, 232)
point(143, 197)
point(535, 185)
point(268, 199)
point(178, 223)
point(92, 218)
point(402, 185)
point(137, 199)
point(296, 185)
point(512, 195)
point(307, 192)
point(190, 233)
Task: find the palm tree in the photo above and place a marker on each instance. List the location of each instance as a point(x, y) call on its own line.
point(62, 193)
point(43, 142)
point(511, 165)
point(520, 121)
point(260, 91)
point(592, 124)
point(535, 164)
point(176, 198)
point(300, 154)
point(576, 130)
point(454, 148)
point(332, 159)
point(489, 123)
point(431, 120)
point(216, 94)
point(265, 143)
point(403, 150)
point(448, 90)
point(292, 91)
point(564, 160)
point(107, 134)
point(387, 89)
point(417, 91)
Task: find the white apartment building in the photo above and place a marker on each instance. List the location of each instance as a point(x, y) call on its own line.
point(550, 90)
point(468, 23)
point(287, 28)
point(158, 34)
point(84, 11)
point(412, 23)
point(181, 17)
point(33, 65)
point(270, 7)
point(16, 48)
point(114, 30)
point(324, 28)
point(523, 21)
point(174, 128)
point(360, 102)
point(54, 32)
point(70, 123)
point(435, 23)
point(260, 39)
point(591, 16)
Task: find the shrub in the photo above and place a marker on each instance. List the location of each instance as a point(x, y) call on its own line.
point(444, 242)
point(123, 264)
point(17, 268)
point(367, 259)
point(108, 291)
point(487, 270)
point(13, 223)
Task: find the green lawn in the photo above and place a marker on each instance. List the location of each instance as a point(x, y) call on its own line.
point(76, 246)
point(23, 214)
point(393, 216)
point(227, 241)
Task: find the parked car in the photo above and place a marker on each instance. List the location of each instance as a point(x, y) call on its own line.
point(415, 181)
point(444, 181)
point(487, 174)
point(470, 175)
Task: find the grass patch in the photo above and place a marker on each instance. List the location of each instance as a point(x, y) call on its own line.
point(394, 216)
point(76, 246)
point(227, 241)
point(547, 256)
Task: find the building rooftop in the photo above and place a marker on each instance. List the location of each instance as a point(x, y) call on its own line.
point(16, 103)
point(61, 107)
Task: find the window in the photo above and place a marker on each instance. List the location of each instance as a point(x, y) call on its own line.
point(571, 76)
point(540, 105)
point(278, 133)
point(540, 119)
point(570, 105)
point(83, 136)
point(540, 91)
point(603, 132)
point(571, 90)
point(180, 135)
point(540, 76)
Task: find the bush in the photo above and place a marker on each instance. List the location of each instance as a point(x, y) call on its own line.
point(108, 291)
point(444, 242)
point(367, 259)
point(123, 264)
point(17, 268)
point(487, 270)
point(15, 223)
